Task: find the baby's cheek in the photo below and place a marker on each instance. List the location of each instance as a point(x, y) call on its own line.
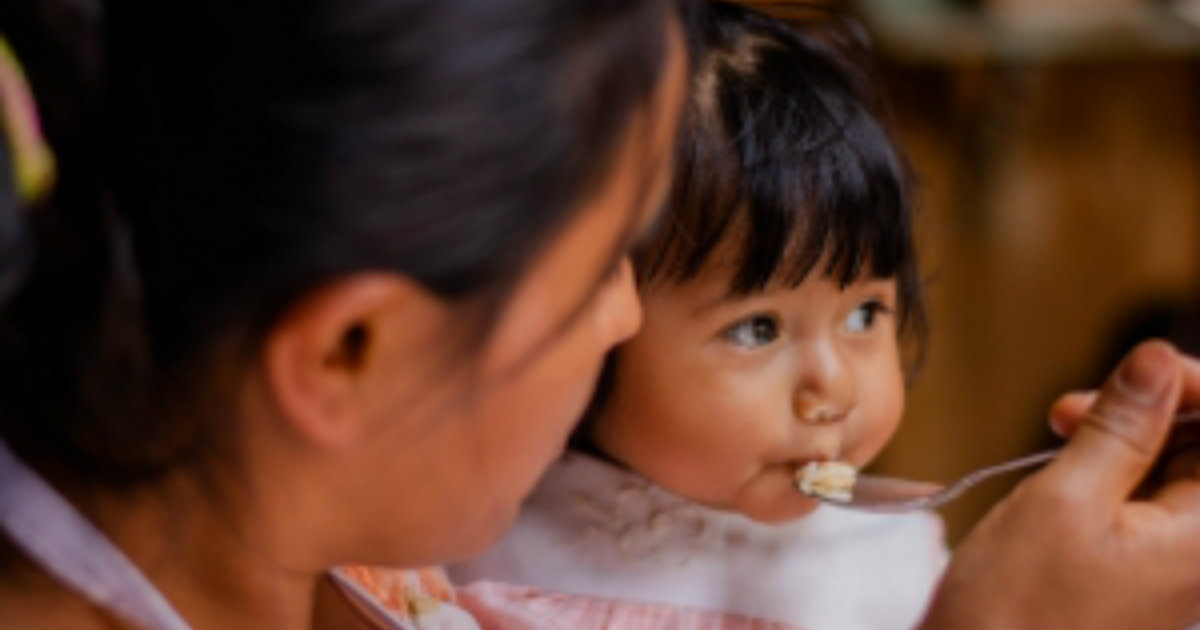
point(879, 428)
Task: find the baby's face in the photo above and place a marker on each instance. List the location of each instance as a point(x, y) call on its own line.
point(722, 399)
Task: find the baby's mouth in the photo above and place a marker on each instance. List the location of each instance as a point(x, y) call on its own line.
point(829, 480)
point(797, 464)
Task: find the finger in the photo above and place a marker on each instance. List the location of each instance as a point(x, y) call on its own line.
point(1118, 442)
point(1071, 408)
point(1182, 466)
point(1191, 383)
point(1069, 411)
point(1181, 497)
point(1179, 460)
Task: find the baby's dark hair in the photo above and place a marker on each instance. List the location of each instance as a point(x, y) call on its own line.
point(784, 163)
point(783, 160)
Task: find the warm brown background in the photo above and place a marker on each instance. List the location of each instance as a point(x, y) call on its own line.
point(1060, 168)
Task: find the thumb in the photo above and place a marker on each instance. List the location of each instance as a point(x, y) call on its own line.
point(1123, 432)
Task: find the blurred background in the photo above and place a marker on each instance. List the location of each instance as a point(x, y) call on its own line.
point(1057, 144)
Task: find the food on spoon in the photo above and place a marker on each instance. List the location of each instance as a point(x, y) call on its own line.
point(827, 480)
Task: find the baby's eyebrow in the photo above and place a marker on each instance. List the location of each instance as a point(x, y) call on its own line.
point(709, 306)
point(728, 296)
point(874, 284)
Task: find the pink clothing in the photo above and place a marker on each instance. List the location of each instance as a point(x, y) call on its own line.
point(423, 600)
point(597, 546)
point(416, 599)
point(499, 606)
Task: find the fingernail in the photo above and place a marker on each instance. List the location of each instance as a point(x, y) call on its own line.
point(1145, 375)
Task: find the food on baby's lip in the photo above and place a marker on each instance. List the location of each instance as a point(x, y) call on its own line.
point(827, 480)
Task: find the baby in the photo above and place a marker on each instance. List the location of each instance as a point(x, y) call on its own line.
point(779, 291)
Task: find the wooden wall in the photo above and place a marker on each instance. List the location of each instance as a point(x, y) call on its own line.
point(1058, 199)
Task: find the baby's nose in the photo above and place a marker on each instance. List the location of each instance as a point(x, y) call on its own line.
point(825, 391)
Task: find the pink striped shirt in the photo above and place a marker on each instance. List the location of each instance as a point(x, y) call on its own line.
point(421, 598)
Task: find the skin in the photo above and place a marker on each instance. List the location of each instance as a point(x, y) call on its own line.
point(323, 428)
point(1069, 548)
point(364, 436)
point(722, 398)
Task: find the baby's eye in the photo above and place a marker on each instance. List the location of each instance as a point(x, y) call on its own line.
point(753, 332)
point(863, 317)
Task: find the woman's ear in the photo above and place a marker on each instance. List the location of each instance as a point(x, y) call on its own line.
point(345, 351)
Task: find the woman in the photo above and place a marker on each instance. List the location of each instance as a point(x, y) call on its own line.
point(329, 282)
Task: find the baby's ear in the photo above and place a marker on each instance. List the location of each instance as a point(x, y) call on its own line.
point(346, 351)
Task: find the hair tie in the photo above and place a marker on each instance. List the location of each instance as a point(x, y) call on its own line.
point(30, 156)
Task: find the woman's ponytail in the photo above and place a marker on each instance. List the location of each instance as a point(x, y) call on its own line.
point(74, 368)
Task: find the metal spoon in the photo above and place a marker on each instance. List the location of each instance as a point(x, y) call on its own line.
point(876, 493)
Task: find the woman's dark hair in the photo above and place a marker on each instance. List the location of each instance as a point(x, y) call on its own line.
point(218, 159)
point(783, 160)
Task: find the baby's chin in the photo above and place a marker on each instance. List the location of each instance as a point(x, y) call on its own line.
point(782, 510)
